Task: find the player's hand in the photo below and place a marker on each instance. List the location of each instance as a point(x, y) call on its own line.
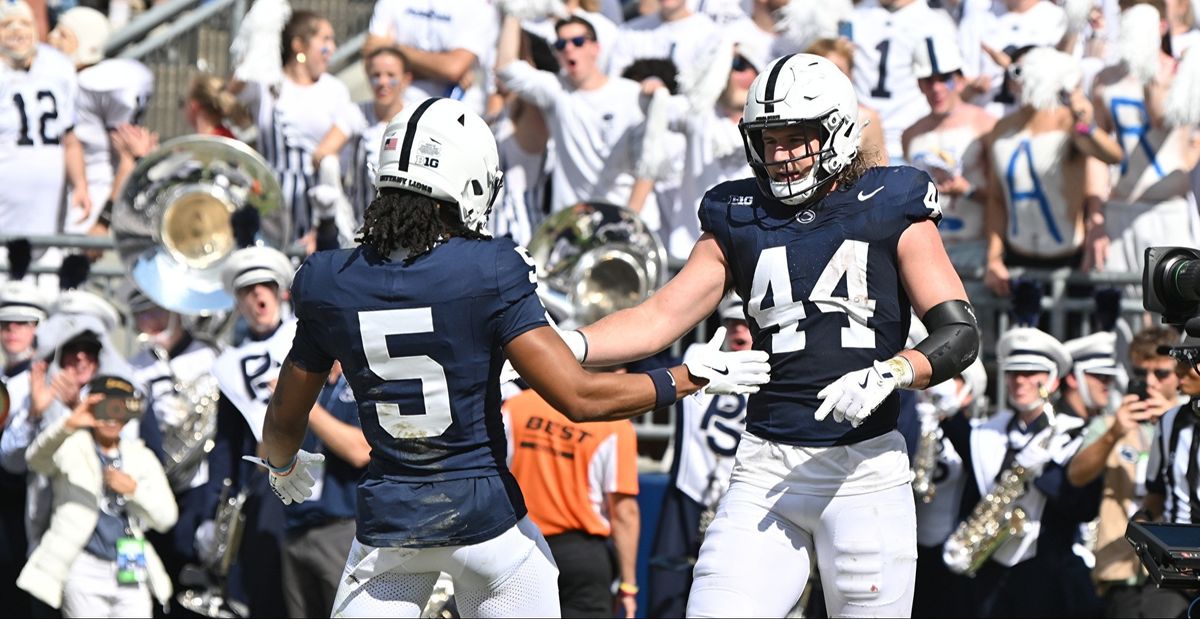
point(856, 394)
point(729, 373)
point(1036, 455)
point(293, 483)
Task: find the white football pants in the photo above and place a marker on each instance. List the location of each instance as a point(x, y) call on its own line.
point(759, 550)
point(511, 575)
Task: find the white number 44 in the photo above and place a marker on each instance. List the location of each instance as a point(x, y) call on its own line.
point(771, 274)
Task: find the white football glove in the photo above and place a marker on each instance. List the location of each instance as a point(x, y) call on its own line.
point(729, 373)
point(573, 339)
point(1036, 455)
point(857, 394)
point(292, 484)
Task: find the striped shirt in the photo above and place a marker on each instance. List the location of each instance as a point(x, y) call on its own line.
point(1174, 470)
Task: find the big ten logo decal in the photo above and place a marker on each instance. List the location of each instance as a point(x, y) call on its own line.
point(723, 423)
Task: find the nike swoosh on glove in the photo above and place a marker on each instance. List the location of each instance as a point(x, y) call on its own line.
point(292, 484)
point(729, 373)
point(1036, 455)
point(856, 394)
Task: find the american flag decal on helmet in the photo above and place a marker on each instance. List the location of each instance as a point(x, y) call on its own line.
point(389, 143)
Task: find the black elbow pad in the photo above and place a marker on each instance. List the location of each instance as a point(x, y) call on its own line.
point(953, 341)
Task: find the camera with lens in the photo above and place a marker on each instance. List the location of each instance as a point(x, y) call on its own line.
point(1171, 286)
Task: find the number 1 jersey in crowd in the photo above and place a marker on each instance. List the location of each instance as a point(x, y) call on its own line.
point(823, 291)
point(421, 344)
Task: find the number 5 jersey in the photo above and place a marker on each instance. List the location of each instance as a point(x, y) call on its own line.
point(421, 345)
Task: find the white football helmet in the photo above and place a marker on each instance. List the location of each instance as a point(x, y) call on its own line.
point(442, 149)
point(801, 90)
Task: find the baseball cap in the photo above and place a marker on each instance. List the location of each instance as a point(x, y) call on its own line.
point(121, 402)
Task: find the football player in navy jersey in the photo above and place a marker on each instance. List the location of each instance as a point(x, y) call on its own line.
point(421, 317)
point(830, 253)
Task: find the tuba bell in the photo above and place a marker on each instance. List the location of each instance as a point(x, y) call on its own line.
point(595, 259)
point(174, 220)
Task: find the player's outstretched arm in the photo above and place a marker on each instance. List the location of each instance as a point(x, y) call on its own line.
point(641, 331)
point(545, 362)
point(287, 414)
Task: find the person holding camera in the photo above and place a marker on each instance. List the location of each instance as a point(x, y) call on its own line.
point(1116, 447)
point(93, 560)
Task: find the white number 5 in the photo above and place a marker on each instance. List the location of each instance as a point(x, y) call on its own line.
point(375, 326)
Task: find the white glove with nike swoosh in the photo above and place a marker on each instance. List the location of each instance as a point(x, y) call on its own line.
point(292, 483)
point(729, 373)
point(857, 394)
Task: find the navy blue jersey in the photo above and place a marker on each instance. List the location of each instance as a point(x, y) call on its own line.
point(421, 345)
point(823, 292)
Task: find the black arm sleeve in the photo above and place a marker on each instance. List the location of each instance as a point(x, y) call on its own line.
point(953, 341)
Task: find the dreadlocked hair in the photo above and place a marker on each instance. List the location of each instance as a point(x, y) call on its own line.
point(413, 222)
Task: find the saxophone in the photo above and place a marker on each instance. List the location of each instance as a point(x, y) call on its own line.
point(995, 519)
point(186, 444)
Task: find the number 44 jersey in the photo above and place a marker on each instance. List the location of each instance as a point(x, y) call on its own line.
point(823, 291)
point(421, 345)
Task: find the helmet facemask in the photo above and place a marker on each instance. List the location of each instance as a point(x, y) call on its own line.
point(772, 176)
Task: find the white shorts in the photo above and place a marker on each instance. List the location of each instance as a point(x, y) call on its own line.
point(759, 551)
point(511, 575)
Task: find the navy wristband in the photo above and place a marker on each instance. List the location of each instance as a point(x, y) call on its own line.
point(664, 387)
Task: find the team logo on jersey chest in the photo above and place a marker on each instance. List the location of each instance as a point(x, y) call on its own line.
point(806, 216)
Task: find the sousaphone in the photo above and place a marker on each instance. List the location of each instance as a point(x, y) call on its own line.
point(181, 213)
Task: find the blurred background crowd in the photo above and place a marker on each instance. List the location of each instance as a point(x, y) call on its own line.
point(1062, 137)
